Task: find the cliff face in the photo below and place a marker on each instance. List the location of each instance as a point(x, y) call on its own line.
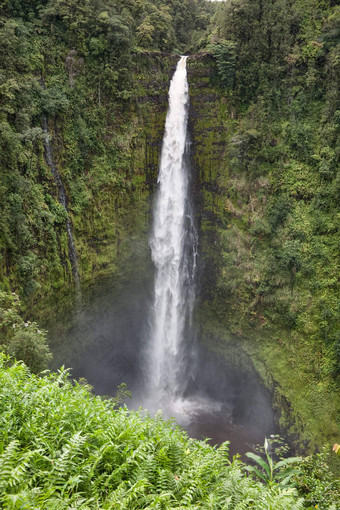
point(252, 293)
point(209, 122)
point(104, 150)
point(116, 219)
point(260, 269)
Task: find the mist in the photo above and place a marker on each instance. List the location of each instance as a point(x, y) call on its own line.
point(104, 340)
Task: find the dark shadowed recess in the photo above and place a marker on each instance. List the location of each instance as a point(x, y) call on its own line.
point(245, 416)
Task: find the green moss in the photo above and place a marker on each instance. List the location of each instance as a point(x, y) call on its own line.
point(268, 270)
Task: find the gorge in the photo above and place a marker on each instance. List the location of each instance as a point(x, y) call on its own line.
point(256, 350)
point(147, 337)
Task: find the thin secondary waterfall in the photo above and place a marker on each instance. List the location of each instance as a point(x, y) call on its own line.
point(63, 200)
point(173, 248)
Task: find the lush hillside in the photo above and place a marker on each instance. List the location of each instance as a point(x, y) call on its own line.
point(266, 150)
point(88, 78)
point(75, 72)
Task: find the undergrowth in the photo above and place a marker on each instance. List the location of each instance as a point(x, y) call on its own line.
point(61, 447)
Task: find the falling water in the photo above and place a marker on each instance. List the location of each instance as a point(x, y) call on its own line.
point(173, 248)
point(63, 201)
point(177, 375)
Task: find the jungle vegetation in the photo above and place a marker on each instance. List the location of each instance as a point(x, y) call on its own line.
point(67, 60)
point(278, 232)
point(81, 64)
point(62, 447)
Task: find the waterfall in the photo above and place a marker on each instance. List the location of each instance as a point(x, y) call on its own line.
point(173, 243)
point(63, 201)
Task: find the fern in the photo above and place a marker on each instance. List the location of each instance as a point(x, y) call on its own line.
point(8, 461)
point(85, 454)
point(165, 481)
point(175, 455)
point(19, 473)
point(68, 462)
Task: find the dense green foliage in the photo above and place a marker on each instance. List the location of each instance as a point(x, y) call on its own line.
point(315, 476)
point(319, 484)
point(92, 68)
point(277, 194)
point(284, 162)
point(61, 447)
point(77, 63)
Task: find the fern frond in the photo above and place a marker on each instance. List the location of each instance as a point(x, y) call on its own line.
point(69, 460)
point(8, 461)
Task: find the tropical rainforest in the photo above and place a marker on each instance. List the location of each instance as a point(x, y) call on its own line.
point(83, 98)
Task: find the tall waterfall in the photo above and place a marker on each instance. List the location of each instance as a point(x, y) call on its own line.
point(173, 245)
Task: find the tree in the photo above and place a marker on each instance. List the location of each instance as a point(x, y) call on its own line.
point(225, 54)
point(23, 340)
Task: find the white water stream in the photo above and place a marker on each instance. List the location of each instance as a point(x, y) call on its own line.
point(174, 252)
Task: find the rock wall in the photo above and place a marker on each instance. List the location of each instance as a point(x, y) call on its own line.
point(242, 287)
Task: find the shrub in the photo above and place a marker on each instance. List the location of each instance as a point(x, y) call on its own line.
point(23, 340)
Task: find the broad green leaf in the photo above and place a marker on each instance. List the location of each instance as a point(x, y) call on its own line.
point(259, 461)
